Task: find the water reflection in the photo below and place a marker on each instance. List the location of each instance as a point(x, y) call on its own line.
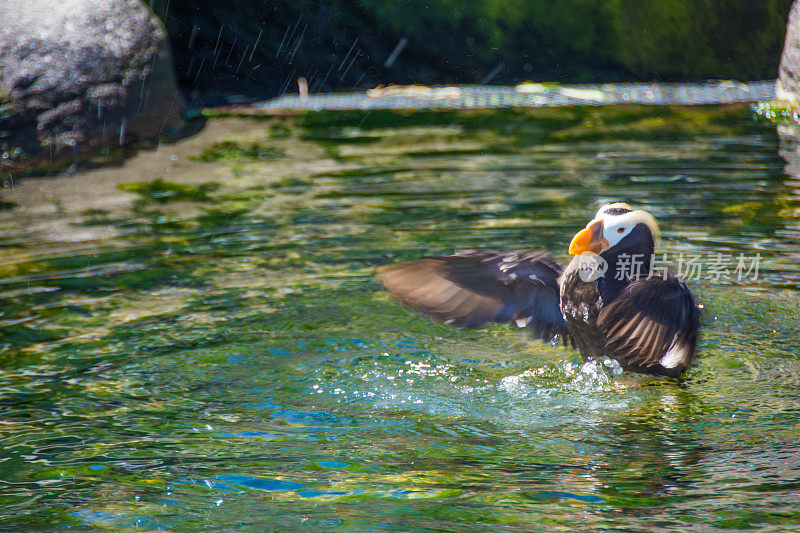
point(210, 347)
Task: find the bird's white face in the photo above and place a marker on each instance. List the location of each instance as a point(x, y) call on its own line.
point(617, 227)
point(612, 223)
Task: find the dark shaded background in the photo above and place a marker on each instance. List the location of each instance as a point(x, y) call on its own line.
point(253, 49)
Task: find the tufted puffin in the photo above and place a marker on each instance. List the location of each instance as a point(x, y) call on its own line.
point(608, 303)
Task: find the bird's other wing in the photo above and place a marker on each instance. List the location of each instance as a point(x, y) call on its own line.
point(651, 326)
point(473, 287)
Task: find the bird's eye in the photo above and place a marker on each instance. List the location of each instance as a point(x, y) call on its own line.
point(620, 230)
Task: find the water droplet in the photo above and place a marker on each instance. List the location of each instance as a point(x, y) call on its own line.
point(613, 365)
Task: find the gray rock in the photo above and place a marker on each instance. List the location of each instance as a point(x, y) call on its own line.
point(78, 74)
point(787, 88)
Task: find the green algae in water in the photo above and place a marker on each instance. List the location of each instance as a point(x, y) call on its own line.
point(159, 191)
point(776, 112)
point(218, 355)
point(234, 151)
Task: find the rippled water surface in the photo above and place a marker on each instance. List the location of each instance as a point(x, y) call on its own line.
point(192, 338)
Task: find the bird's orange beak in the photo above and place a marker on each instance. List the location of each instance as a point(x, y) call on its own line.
point(589, 239)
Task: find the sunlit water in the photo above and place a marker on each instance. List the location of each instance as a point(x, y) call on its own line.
point(210, 351)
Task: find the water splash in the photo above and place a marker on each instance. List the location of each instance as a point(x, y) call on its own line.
point(566, 376)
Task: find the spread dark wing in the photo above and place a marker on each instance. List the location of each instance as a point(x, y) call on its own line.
point(652, 326)
point(473, 287)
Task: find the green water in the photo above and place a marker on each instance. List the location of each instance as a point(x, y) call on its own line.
point(192, 338)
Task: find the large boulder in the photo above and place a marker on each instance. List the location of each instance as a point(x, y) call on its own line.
point(787, 88)
point(78, 74)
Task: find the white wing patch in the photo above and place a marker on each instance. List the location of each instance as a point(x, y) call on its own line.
point(523, 322)
point(676, 355)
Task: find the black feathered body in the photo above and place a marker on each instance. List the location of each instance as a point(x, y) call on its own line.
point(580, 304)
point(637, 321)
